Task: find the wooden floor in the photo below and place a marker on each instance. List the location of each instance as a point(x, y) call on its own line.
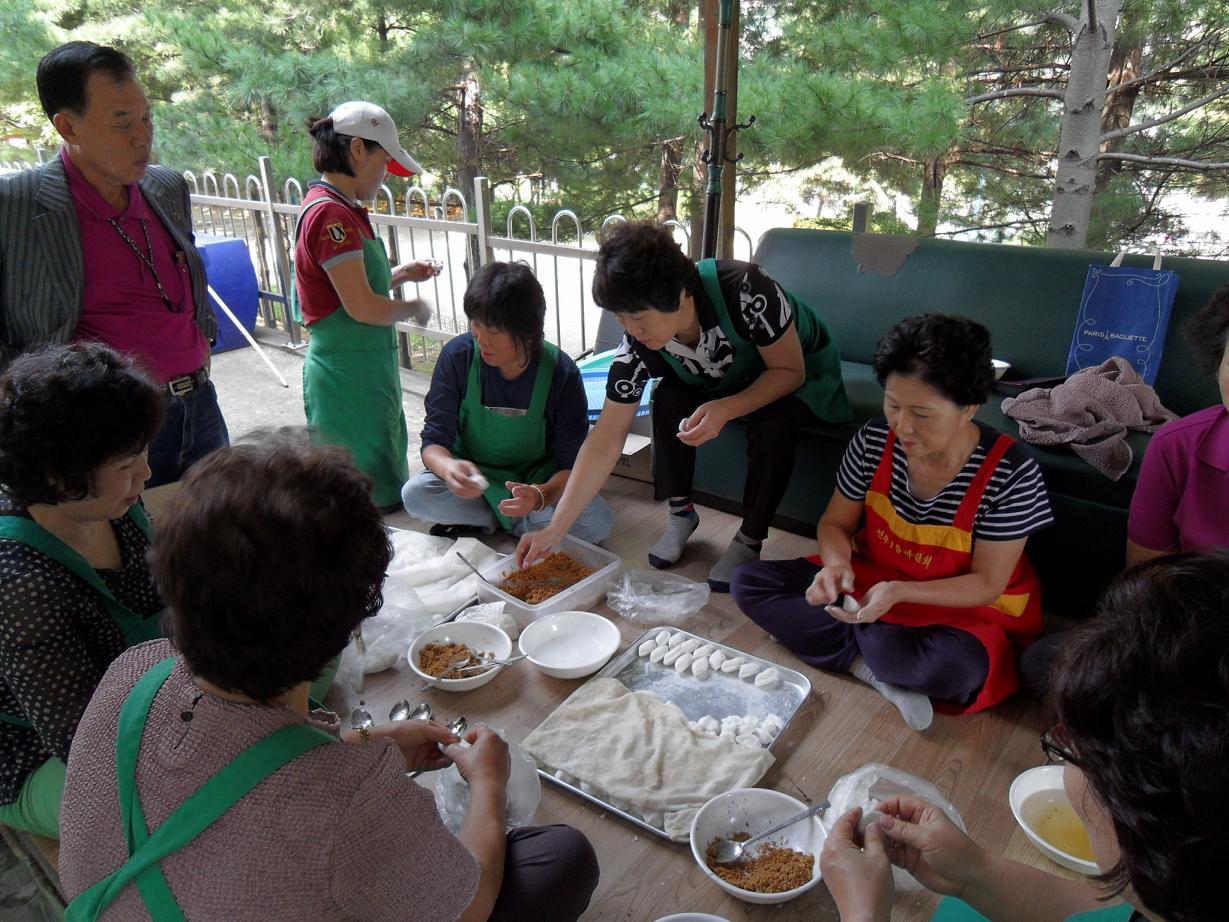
point(972, 759)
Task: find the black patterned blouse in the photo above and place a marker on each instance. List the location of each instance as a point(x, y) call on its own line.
point(56, 641)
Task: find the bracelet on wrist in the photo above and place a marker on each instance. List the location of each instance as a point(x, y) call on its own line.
point(541, 497)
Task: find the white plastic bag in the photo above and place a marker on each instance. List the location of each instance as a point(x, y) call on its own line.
point(873, 783)
point(656, 596)
point(492, 613)
point(524, 790)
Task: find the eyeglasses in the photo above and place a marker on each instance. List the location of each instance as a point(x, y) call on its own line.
point(1056, 744)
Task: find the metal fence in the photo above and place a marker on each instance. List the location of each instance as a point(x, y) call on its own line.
point(257, 211)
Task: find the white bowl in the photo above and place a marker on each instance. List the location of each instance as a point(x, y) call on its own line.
point(753, 810)
point(570, 644)
point(693, 917)
point(1044, 782)
point(479, 637)
point(1000, 367)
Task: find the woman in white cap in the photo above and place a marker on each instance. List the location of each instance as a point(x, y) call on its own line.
point(351, 383)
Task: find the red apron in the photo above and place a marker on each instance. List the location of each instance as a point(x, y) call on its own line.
point(889, 548)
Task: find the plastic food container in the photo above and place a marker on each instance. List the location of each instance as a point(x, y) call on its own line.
point(589, 592)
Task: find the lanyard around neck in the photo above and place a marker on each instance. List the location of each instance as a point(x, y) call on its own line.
point(147, 259)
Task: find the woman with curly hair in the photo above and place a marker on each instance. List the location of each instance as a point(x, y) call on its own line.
point(1143, 699)
point(76, 422)
point(921, 587)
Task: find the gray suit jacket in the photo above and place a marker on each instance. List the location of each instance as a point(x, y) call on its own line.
point(41, 265)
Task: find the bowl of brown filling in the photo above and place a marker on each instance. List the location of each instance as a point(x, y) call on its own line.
point(772, 871)
point(440, 654)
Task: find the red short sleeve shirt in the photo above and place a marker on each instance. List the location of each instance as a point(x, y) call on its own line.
point(328, 235)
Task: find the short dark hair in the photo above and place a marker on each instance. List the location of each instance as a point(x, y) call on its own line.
point(1143, 691)
point(268, 557)
point(67, 410)
point(509, 298)
point(951, 354)
point(331, 149)
point(640, 265)
point(1208, 330)
point(64, 72)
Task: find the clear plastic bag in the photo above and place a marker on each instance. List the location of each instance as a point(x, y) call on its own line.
point(492, 613)
point(873, 783)
point(524, 790)
point(656, 596)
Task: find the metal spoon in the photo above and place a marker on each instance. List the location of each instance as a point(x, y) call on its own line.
point(726, 851)
point(457, 726)
point(361, 719)
point(549, 581)
point(402, 711)
point(485, 663)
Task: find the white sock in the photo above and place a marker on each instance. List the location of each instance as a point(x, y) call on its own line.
point(914, 707)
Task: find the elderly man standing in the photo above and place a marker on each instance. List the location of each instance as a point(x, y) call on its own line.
point(97, 245)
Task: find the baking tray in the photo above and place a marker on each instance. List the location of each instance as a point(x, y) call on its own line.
point(719, 695)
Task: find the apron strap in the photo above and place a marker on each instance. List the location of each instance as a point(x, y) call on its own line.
point(28, 532)
point(966, 512)
point(882, 481)
point(541, 386)
point(217, 795)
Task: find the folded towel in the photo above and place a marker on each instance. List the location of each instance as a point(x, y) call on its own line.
point(1091, 411)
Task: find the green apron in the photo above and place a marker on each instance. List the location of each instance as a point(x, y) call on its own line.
point(951, 909)
point(352, 388)
point(506, 447)
point(822, 391)
point(27, 531)
point(217, 795)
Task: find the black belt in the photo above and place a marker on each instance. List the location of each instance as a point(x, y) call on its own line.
point(186, 384)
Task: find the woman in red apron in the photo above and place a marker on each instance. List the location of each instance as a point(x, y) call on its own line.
point(921, 587)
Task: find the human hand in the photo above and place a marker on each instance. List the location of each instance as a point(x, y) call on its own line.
point(859, 879)
point(419, 742)
point(705, 424)
point(524, 500)
point(463, 478)
point(534, 545)
point(829, 583)
point(920, 838)
point(418, 270)
point(876, 603)
point(485, 761)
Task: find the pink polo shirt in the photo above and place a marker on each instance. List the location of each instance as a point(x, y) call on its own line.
point(1181, 501)
point(121, 305)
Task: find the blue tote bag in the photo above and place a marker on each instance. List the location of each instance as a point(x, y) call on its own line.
point(1123, 312)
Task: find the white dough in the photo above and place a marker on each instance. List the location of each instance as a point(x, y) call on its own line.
point(705, 650)
point(764, 736)
point(690, 644)
point(676, 640)
point(479, 481)
point(850, 604)
point(732, 664)
point(647, 647)
point(658, 653)
point(694, 725)
point(716, 658)
point(868, 817)
point(748, 739)
point(773, 723)
point(769, 678)
point(747, 670)
point(683, 663)
point(662, 638)
point(671, 656)
point(708, 722)
point(699, 668)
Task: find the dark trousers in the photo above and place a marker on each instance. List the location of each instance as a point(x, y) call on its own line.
point(550, 873)
point(941, 662)
point(194, 427)
point(773, 432)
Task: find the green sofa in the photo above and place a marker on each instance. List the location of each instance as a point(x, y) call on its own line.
point(1028, 297)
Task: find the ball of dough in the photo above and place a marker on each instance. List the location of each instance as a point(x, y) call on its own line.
point(732, 664)
point(676, 640)
point(647, 647)
point(658, 653)
point(749, 740)
point(769, 678)
point(716, 658)
point(690, 644)
point(672, 654)
point(662, 638)
point(709, 722)
point(699, 668)
point(705, 650)
point(747, 670)
point(850, 604)
point(683, 663)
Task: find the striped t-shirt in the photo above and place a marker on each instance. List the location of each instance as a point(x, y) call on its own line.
point(1014, 505)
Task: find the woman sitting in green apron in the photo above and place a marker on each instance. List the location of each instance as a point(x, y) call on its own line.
point(351, 381)
point(506, 416)
point(727, 343)
point(1142, 693)
point(75, 590)
point(202, 784)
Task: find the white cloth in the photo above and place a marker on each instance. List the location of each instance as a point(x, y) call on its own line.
point(634, 747)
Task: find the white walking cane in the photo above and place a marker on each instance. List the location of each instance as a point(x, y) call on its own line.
point(246, 335)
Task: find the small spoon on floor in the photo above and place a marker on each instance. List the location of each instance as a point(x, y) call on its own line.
point(402, 711)
point(727, 851)
point(361, 719)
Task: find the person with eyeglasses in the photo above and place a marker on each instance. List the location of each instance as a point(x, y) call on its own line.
point(96, 245)
point(1142, 694)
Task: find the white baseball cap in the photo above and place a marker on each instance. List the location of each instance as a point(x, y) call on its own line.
point(368, 121)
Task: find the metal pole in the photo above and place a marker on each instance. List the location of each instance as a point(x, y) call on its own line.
point(717, 136)
point(280, 254)
point(482, 214)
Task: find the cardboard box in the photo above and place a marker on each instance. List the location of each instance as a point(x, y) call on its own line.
point(636, 461)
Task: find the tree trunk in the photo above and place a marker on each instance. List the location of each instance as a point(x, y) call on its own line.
point(934, 171)
point(469, 131)
point(268, 122)
point(1125, 65)
point(382, 31)
point(668, 179)
point(1080, 137)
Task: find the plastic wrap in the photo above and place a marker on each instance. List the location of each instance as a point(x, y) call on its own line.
point(656, 596)
point(524, 790)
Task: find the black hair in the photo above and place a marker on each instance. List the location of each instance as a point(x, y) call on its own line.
point(67, 410)
point(640, 265)
point(1207, 331)
point(331, 150)
point(1143, 691)
point(64, 72)
point(951, 354)
point(245, 617)
point(508, 297)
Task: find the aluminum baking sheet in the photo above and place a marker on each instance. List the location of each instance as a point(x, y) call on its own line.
point(719, 695)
